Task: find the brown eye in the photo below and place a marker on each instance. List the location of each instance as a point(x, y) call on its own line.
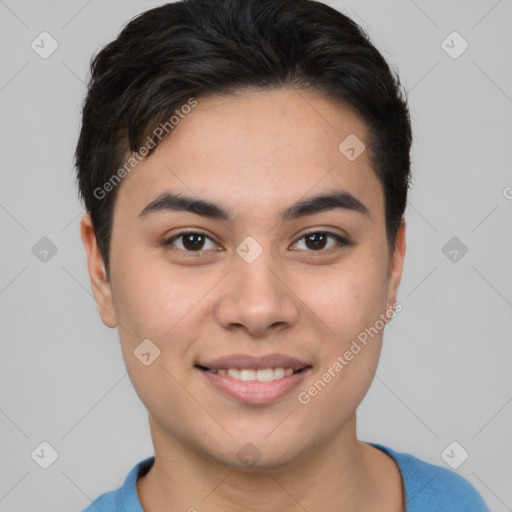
point(189, 241)
point(318, 240)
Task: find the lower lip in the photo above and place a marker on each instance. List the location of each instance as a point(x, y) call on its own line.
point(254, 392)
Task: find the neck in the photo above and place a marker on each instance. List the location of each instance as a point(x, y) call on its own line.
point(341, 474)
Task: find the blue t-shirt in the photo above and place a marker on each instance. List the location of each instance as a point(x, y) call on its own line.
point(427, 488)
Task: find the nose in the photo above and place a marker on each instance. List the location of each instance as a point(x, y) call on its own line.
point(257, 297)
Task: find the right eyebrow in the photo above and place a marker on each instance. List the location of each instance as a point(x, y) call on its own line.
point(177, 202)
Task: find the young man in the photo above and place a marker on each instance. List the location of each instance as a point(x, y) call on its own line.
point(245, 167)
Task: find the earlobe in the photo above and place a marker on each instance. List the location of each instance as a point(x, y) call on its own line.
point(100, 285)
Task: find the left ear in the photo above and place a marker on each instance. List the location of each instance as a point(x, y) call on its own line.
point(396, 265)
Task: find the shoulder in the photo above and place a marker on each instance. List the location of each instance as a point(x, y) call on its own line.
point(108, 502)
point(428, 487)
point(124, 499)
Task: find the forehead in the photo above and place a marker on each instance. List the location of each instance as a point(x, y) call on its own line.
point(293, 123)
point(262, 148)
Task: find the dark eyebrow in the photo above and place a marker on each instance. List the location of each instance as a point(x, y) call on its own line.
point(337, 199)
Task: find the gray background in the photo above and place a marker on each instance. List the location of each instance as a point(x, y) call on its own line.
point(445, 370)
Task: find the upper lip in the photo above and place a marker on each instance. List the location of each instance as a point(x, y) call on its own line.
point(255, 363)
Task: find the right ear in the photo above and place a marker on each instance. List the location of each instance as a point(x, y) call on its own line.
point(101, 287)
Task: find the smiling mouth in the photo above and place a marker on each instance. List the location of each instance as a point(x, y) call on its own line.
point(251, 375)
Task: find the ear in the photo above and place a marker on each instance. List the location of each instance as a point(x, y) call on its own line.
point(396, 265)
point(101, 287)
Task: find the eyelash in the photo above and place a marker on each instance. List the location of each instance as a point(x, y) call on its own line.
point(340, 241)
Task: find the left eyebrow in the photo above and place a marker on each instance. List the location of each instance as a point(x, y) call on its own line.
point(337, 199)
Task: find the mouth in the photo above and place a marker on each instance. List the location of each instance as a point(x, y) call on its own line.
point(252, 380)
point(252, 375)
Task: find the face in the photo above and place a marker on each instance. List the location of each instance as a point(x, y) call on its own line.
point(248, 282)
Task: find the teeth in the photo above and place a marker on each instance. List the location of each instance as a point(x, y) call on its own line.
point(279, 372)
point(234, 374)
point(248, 375)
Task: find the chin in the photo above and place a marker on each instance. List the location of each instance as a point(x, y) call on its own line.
point(258, 453)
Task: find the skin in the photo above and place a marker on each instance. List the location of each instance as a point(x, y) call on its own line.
point(255, 153)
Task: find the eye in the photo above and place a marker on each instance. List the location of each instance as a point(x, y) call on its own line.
point(193, 241)
point(317, 241)
point(190, 241)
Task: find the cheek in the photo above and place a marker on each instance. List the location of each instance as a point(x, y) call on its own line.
point(157, 303)
point(359, 326)
point(349, 298)
point(152, 309)
point(148, 300)
point(351, 303)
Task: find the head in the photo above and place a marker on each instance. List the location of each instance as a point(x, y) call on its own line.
point(276, 136)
